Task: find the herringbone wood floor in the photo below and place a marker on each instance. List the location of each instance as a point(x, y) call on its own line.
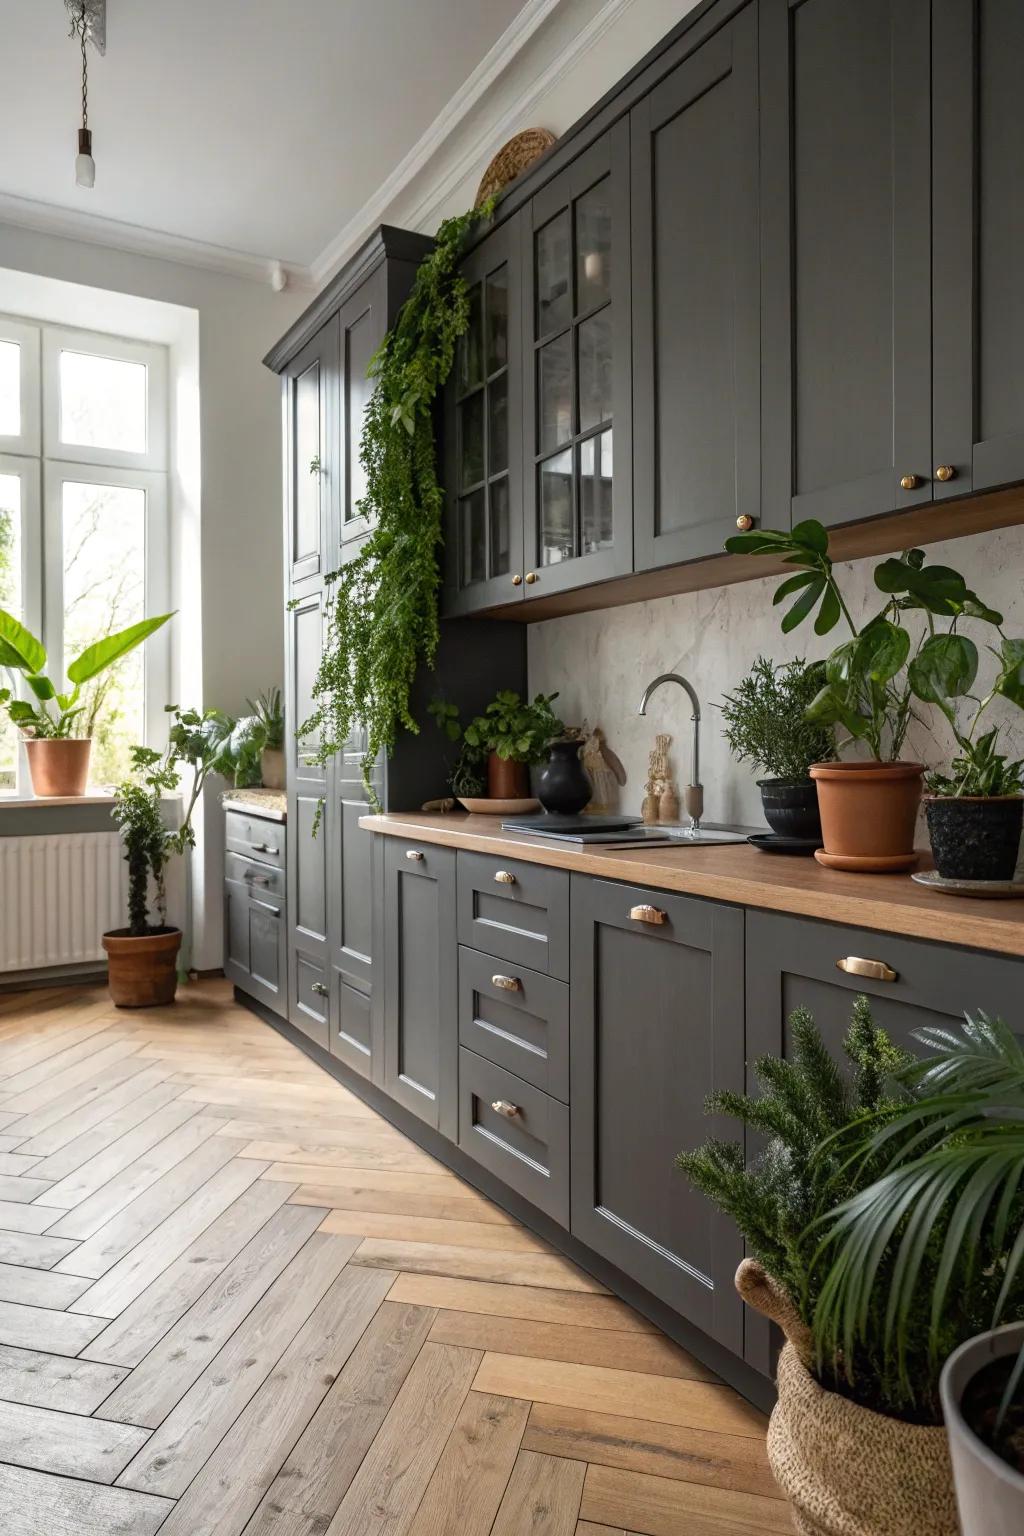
point(234, 1300)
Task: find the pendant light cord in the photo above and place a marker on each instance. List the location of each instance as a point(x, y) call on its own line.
point(80, 26)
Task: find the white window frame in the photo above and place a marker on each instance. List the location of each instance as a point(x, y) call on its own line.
point(26, 337)
point(58, 339)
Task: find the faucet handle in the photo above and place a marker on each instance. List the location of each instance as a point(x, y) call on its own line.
point(693, 801)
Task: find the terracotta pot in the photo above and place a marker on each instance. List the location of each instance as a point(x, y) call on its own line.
point(58, 767)
point(506, 780)
point(272, 767)
point(975, 837)
point(143, 971)
point(868, 814)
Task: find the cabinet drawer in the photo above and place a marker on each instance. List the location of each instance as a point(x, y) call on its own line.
point(262, 880)
point(311, 1000)
point(527, 1145)
point(518, 911)
point(516, 1018)
point(254, 837)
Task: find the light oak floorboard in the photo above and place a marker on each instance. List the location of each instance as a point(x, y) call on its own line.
point(451, 1208)
point(437, 1181)
point(588, 1528)
point(661, 1506)
point(55, 1381)
point(55, 1086)
point(78, 1098)
point(228, 1488)
point(182, 1443)
point(662, 1450)
point(469, 1481)
point(15, 1163)
point(574, 1308)
point(38, 1504)
point(15, 1217)
point(32, 1250)
point(503, 1238)
point(78, 1138)
point(650, 1353)
point(18, 1083)
point(66, 1443)
point(58, 1333)
point(21, 1189)
point(318, 1473)
point(39, 1288)
point(543, 1497)
point(545, 1270)
point(664, 1399)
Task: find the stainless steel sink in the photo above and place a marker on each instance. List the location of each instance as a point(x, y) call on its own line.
point(704, 837)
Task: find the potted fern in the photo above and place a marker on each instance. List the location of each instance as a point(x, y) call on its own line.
point(766, 724)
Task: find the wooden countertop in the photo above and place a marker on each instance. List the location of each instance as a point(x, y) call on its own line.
point(740, 874)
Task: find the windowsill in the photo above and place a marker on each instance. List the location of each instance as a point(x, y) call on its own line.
point(94, 797)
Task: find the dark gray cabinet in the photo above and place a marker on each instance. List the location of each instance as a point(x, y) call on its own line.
point(310, 384)
point(696, 302)
point(307, 855)
point(420, 998)
point(655, 1011)
point(255, 920)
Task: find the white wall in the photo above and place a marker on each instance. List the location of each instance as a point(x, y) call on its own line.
point(235, 548)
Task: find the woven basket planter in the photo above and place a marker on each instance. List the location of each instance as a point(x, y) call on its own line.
point(846, 1470)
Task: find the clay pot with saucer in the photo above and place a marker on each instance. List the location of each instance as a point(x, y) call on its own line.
point(868, 814)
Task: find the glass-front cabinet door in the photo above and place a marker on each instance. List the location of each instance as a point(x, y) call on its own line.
point(578, 459)
point(483, 459)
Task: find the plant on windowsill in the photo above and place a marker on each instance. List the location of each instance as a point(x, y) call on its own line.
point(143, 957)
point(875, 680)
point(253, 754)
point(381, 612)
point(766, 724)
point(58, 758)
point(498, 747)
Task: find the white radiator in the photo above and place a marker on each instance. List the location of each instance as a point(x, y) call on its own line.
point(58, 895)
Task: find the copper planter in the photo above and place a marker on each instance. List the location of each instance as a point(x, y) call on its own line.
point(59, 766)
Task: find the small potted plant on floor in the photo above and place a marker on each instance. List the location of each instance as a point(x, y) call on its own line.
point(766, 724)
point(253, 754)
point(869, 803)
point(143, 958)
point(58, 758)
point(510, 736)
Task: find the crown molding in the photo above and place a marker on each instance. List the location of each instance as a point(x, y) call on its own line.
point(473, 90)
point(136, 240)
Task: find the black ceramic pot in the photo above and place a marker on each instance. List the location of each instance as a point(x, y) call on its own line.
point(791, 806)
point(562, 784)
point(975, 838)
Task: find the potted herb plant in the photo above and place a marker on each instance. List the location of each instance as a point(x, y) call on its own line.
point(58, 758)
point(503, 742)
point(766, 724)
point(872, 680)
point(975, 810)
point(143, 957)
point(855, 1439)
point(254, 751)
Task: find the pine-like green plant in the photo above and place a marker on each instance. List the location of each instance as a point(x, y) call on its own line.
point(766, 724)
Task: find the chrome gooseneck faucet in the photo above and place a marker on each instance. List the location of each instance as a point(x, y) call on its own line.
point(693, 796)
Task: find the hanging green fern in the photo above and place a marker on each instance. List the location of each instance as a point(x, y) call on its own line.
point(381, 611)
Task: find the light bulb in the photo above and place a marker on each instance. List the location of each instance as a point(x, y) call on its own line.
point(85, 165)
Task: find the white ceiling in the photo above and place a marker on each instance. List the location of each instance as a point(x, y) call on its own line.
point(258, 126)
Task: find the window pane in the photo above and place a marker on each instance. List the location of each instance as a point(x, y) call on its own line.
point(554, 393)
point(473, 538)
point(308, 466)
point(471, 412)
point(469, 362)
point(593, 247)
point(10, 389)
point(557, 533)
point(102, 402)
point(497, 442)
point(596, 493)
point(10, 598)
point(497, 320)
point(104, 534)
point(594, 338)
point(554, 300)
point(501, 553)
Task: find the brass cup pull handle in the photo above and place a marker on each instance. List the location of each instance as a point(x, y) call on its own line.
point(504, 877)
point(503, 1107)
point(910, 482)
point(877, 970)
point(646, 914)
point(319, 988)
point(945, 472)
point(507, 983)
point(414, 854)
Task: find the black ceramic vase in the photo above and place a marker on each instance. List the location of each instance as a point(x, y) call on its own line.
point(562, 784)
point(975, 838)
point(791, 807)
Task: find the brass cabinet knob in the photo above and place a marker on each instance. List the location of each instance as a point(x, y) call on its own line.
point(507, 983)
point(503, 1107)
point(414, 854)
point(517, 580)
point(531, 577)
point(319, 988)
point(504, 877)
point(910, 482)
point(877, 970)
point(646, 914)
point(744, 522)
point(945, 472)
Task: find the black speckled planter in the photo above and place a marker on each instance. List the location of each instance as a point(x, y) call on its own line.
point(975, 838)
point(791, 807)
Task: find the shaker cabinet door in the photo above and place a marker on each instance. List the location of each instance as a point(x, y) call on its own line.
point(310, 409)
point(362, 323)
point(846, 251)
point(696, 304)
point(656, 1024)
point(307, 855)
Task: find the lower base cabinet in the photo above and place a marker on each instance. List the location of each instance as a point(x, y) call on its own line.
point(656, 1015)
point(518, 1132)
point(255, 924)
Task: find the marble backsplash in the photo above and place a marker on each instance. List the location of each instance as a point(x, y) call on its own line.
point(600, 663)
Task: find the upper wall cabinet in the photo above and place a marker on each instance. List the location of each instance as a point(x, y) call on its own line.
point(363, 322)
point(311, 380)
point(696, 276)
point(578, 457)
point(845, 194)
point(978, 211)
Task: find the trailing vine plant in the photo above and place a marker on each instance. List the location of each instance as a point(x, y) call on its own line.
point(381, 618)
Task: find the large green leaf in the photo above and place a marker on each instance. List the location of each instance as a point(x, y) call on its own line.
point(40, 685)
point(1010, 682)
point(944, 668)
point(831, 707)
point(97, 658)
point(804, 604)
point(882, 650)
point(936, 587)
point(18, 647)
